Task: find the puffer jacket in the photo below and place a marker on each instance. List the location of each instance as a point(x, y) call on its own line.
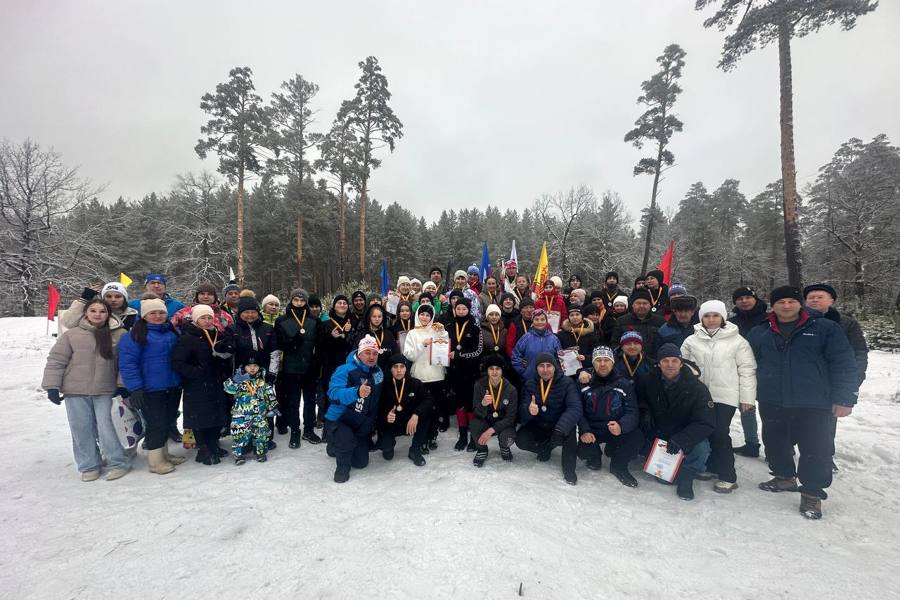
point(149, 368)
point(681, 412)
point(552, 302)
point(529, 346)
point(726, 362)
point(608, 399)
point(75, 367)
point(563, 403)
point(418, 353)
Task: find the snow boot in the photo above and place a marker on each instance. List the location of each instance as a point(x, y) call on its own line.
point(748, 450)
point(462, 442)
point(203, 456)
point(295, 440)
point(595, 464)
point(90, 475)
point(571, 478)
point(685, 484)
point(424, 449)
point(480, 456)
point(239, 460)
point(624, 477)
point(342, 474)
point(261, 458)
point(543, 455)
point(780, 484)
point(432, 443)
point(811, 507)
point(158, 464)
point(416, 457)
point(471, 447)
point(312, 437)
point(506, 454)
point(387, 453)
point(172, 458)
point(116, 474)
point(724, 487)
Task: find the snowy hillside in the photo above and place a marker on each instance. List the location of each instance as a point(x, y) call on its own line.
point(283, 529)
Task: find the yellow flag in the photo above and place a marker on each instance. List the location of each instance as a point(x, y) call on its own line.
point(542, 272)
point(124, 279)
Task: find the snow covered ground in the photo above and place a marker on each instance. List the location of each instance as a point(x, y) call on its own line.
point(284, 529)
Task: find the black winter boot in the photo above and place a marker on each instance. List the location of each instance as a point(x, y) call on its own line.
point(295, 440)
point(203, 456)
point(342, 474)
point(463, 440)
point(685, 484)
point(416, 457)
point(481, 455)
point(624, 477)
point(506, 454)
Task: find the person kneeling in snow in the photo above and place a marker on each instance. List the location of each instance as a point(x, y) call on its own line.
point(354, 391)
point(676, 407)
point(610, 417)
point(495, 411)
point(549, 410)
point(405, 408)
point(254, 403)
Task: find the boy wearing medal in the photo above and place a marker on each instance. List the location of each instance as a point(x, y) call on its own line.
point(549, 410)
point(405, 408)
point(296, 330)
point(496, 405)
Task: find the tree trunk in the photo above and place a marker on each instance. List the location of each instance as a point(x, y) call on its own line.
point(343, 234)
point(788, 166)
point(299, 251)
point(652, 214)
point(240, 227)
point(363, 200)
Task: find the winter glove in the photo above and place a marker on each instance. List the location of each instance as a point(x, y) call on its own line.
point(53, 395)
point(122, 392)
point(88, 294)
point(136, 400)
point(240, 377)
point(672, 447)
point(557, 438)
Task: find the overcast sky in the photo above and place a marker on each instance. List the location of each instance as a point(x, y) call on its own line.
point(500, 101)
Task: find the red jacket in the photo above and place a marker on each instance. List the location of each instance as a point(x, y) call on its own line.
point(552, 302)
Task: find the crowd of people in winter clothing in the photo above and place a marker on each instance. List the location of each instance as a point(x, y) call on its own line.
point(608, 372)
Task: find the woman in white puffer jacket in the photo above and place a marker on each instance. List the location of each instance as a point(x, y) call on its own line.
point(416, 349)
point(728, 369)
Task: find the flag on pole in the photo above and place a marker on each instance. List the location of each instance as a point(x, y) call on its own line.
point(512, 254)
point(665, 263)
point(385, 280)
point(52, 301)
point(542, 272)
point(125, 279)
point(231, 276)
point(485, 262)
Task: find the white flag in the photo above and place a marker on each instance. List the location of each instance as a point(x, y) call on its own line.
point(512, 253)
point(231, 276)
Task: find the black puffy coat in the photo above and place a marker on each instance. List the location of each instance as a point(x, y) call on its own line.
point(297, 348)
point(202, 374)
point(682, 413)
point(415, 400)
point(563, 403)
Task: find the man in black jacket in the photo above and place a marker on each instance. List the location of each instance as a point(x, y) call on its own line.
point(405, 408)
point(676, 407)
point(749, 311)
point(549, 410)
point(821, 297)
point(641, 319)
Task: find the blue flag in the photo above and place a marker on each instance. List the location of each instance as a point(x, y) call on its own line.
point(385, 280)
point(485, 262)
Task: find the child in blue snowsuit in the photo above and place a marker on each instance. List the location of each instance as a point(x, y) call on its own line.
point(254, 400)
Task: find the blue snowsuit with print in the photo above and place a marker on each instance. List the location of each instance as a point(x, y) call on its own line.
point(254, 400)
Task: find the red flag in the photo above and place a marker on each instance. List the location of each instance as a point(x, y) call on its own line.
point(52, 301)
point(665, 263)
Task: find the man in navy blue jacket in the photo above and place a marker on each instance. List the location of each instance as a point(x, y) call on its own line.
point(806, 375)
point(549, 410)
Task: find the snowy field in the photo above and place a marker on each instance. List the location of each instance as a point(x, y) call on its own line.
point(283, 529)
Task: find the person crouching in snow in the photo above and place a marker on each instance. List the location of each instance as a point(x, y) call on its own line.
point(495, 411)
point(610, 416)
point(549, 410)
point(354, 391)
point(254, 404)
point(405, 408)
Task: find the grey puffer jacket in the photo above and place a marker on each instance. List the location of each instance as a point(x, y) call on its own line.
point(74, 365)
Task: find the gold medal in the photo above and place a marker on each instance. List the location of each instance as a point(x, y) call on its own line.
point(495, 415)
point(399, 407)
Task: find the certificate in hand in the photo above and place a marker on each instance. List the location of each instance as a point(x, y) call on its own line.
point(569, 360)
point(661, 464)
point(439, 350)
point(553, 320)
point(393, 299)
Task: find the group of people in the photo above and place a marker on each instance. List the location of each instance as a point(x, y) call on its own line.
point(607, 372)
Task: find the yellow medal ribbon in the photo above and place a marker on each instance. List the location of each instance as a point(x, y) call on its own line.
point(460, 332)
point(631, 371)
point(495, 397)
point(495, 335)
point(579, 334)
point(655, 300)
point(399, 395)
point(299, 322)
point(544, 392)
point(212, 341)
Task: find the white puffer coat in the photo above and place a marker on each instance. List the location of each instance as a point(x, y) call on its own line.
point(418, 353)
point(726, 362)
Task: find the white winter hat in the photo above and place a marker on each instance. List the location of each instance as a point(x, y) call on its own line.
point(715, 307)
point(199, 310)
point(492, 308)
point(271, 298)
point(115, 287)
point(621, 300)
point(459, 274)
point(429, 285)
point(414, 281)
point(402, 279)
point(557, 281)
